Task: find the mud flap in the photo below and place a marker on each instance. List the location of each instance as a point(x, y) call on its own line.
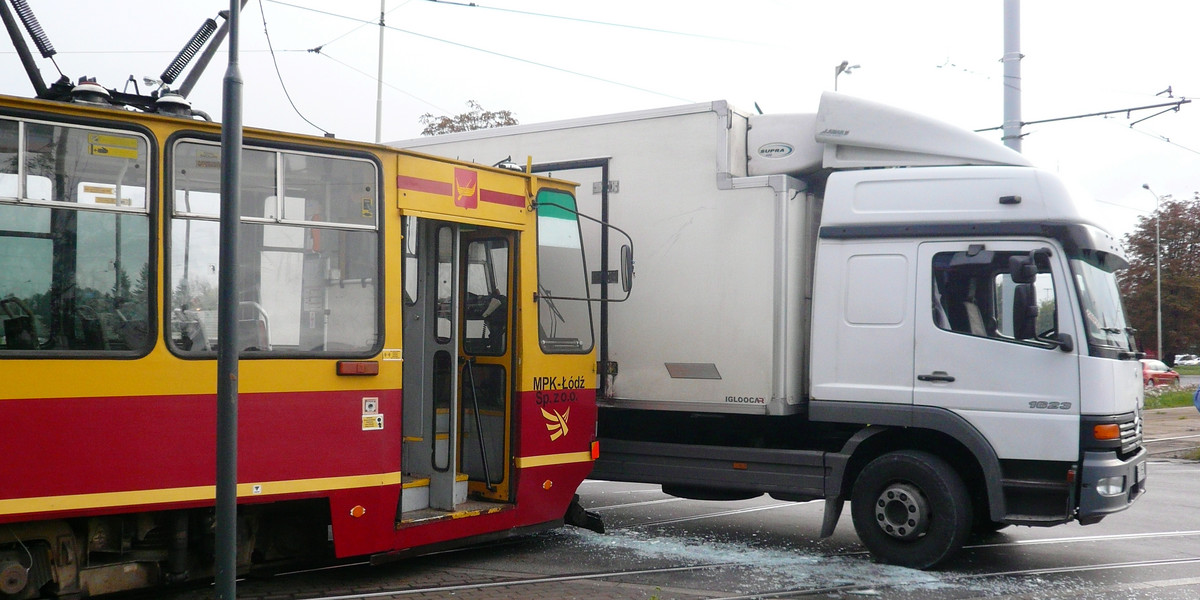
point(577, 516)
point(833, 510)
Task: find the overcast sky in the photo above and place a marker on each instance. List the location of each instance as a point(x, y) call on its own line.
point(546, 60)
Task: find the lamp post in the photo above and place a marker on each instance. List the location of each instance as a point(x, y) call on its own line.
point(845, 67)
point(1157, 268)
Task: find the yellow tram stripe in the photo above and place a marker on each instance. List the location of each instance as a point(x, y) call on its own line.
point(545, 460)
point(191, 494)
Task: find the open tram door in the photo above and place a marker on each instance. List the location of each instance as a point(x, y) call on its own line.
point(458, 352)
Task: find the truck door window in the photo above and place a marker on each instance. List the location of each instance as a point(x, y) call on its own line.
point(975, 294)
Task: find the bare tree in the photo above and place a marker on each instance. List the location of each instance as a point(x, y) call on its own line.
point(476, 118)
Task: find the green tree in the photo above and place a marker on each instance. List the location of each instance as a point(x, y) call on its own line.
point(1179, 244)
point(476, 118)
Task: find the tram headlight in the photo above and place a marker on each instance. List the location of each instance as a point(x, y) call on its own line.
point(1110, 486)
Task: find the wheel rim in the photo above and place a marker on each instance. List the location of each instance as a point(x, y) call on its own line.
point(902, 511)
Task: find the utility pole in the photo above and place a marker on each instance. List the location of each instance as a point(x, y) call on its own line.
point(379, 78)
point(1012, 74)
point(1157, 267)
point(227, 305)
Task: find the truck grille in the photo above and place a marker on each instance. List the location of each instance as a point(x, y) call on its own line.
point(1131, 435)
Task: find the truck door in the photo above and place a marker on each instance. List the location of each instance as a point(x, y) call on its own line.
point(1021, 391)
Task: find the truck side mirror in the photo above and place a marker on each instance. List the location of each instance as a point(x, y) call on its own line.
point(1025, 311)
point(626, 268)
point(1022, 269)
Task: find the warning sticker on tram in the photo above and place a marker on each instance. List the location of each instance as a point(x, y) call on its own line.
point(115, 146)
point(372, 422)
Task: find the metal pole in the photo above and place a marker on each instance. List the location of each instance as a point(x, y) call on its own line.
point(379, 79)
point(1157, 269)
point(227, 343)
point(1158, 275)
point(1011, 133)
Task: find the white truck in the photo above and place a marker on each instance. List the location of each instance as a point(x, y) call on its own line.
point(860, 304)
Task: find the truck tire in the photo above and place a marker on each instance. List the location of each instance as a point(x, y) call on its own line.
point(911, 508)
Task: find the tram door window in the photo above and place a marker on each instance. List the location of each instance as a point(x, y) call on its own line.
point(74, 240)
point(308, 263)
point(485, 385)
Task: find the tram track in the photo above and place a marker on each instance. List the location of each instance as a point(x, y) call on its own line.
point(449, 589)
point(943, 578)
point(968, 577)
point(491, 582)
point(795, 592)
point(872, 588)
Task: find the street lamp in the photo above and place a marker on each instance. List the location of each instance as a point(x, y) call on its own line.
point(1157, 268)
point(845, 67)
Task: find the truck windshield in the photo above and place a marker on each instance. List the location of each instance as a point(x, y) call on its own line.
point(1103, 316)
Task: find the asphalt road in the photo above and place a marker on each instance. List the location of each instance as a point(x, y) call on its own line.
point(661, 547)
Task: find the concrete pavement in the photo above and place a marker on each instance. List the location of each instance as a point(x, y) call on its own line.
point(1172, 432)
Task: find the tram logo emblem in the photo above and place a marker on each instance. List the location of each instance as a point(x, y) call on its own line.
point(557, 425)
point(466, 187)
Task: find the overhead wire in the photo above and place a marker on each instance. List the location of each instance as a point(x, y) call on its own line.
point(364, 24)
point(486, 51)
point(372, 77)
point(588, 21)
point(278, 74)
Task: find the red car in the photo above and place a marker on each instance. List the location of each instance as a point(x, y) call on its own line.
point(1156, 373)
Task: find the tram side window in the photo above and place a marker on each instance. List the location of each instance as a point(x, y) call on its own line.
point(74, 240)
point(308, 252)
point(564, 325)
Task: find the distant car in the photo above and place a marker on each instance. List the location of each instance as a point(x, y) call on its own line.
point(1156, 373)
point(1187, 359)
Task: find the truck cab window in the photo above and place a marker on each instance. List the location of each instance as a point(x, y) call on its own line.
point(975, 293)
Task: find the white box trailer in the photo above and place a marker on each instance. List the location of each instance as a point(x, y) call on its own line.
point(858, 304)
point(725, 275)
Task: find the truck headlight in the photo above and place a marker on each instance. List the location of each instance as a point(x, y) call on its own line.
point(1110, 486)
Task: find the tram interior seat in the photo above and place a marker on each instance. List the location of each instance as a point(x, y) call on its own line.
point(93, 333)
point(19, 333)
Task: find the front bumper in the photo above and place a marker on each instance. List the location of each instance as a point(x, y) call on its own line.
point(1109, 484)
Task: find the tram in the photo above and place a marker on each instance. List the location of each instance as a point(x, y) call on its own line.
point(417, 367)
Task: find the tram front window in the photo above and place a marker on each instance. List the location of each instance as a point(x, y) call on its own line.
point(564, 316)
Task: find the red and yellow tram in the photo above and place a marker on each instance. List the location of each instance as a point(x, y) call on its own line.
point(408, 379)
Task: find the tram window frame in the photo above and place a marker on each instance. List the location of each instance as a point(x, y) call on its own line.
point(329, 271)
point(559, 281)
point(68, 213)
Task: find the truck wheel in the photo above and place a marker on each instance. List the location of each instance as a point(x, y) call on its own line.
point(911, 509)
